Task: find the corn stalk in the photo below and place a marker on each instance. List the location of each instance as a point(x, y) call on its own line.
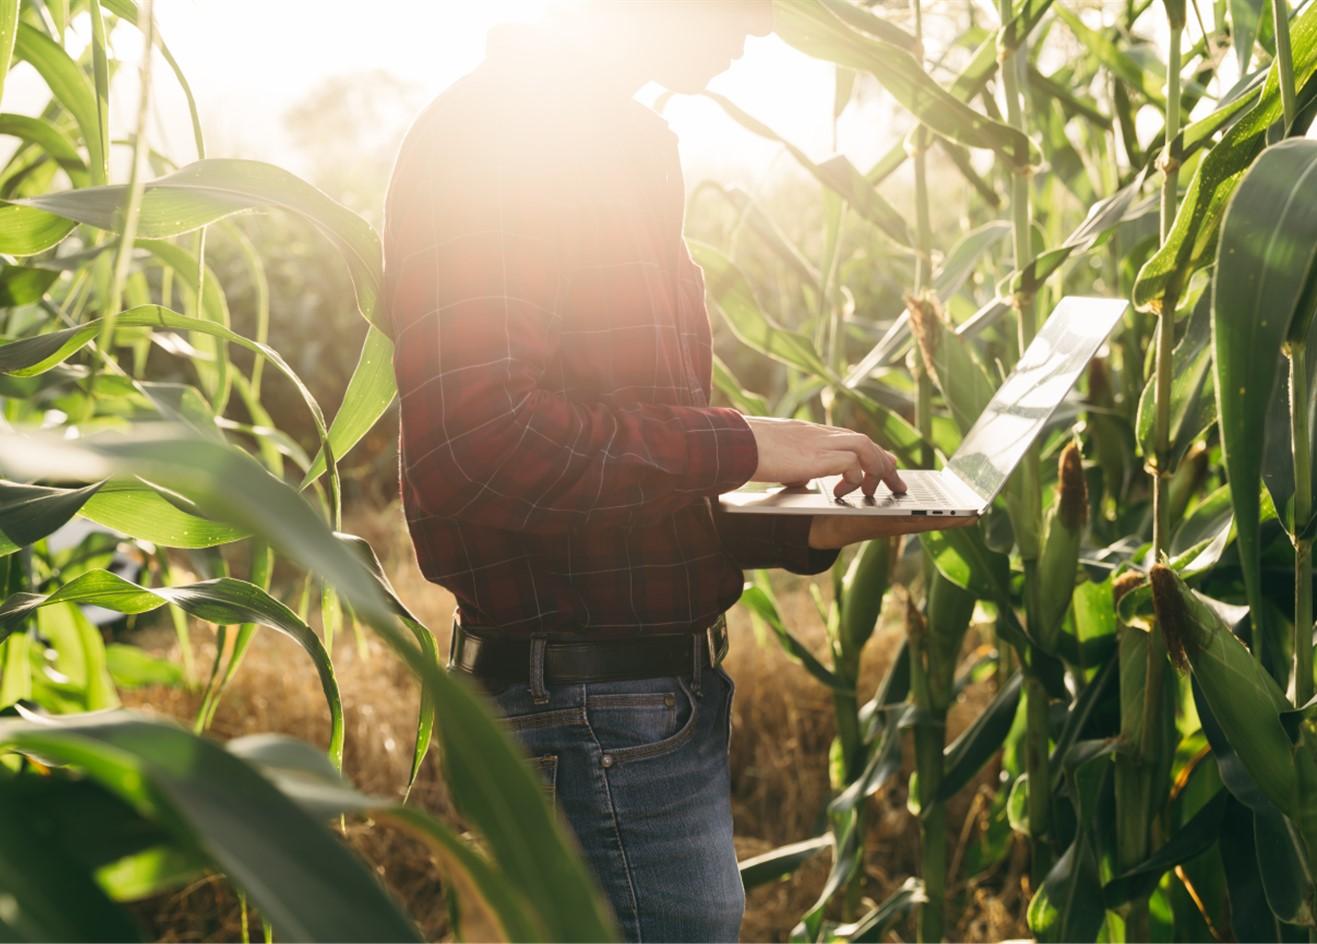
point(1028, 517)
point(1301, 448)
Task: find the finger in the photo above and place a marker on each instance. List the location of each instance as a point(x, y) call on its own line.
point(878, 463)
point(894, 480)
point(845, 464)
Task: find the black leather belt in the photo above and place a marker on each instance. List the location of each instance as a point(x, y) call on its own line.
point(501, 660)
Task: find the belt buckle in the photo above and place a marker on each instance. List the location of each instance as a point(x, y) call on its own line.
point(716, 638)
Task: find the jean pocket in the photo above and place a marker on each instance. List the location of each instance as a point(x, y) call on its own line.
point(638, 724)
point(546, 768)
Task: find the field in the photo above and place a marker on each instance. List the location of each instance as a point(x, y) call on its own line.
point(1089, 716)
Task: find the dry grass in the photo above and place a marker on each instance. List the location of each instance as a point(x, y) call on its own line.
point(781, 718)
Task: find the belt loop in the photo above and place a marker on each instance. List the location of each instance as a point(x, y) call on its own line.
point(538, 693)
point(454, 642)
point(698, 654)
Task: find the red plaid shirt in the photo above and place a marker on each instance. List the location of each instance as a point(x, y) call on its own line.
point(558, 453)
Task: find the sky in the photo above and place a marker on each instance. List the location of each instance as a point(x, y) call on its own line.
point(249, 60)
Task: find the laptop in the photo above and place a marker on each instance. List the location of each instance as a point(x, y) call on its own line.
point(990, 451)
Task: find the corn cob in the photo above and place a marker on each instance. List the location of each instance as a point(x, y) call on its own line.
point(1062, 533)
point(1244, 698)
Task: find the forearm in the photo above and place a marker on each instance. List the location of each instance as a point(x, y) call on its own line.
point(550, 465)
point(762, 541)
point(836, 531)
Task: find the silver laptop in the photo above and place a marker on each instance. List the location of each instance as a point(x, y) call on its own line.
point(990, 451)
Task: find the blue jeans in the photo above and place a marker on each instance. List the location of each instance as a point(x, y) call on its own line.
point(639, 770)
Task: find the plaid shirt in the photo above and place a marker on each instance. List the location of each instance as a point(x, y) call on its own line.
point(558, 453)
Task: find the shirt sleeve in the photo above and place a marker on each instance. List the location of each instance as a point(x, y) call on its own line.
point(473, 305)
point(762, 541)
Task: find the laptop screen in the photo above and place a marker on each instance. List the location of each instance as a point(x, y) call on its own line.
point(1016, 415)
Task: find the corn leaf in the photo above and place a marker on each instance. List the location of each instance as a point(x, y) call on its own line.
point(8, 34)
point(764, 868)
point(967, 754)
point(1189, 841)
point(29, 513)
point(813, 29)
point(1265, 261)
point(369, 394)
point(492, 786)
point(1132, 72)
point(964, 558)
point(1193, 235)
point(1245, 16)
point(32, 356)
point(1068, 905)
point(836, 173)
point(299, 874)
point(759, 603)
point(48, 895)
point(195, 196)
point(1242, 697)
point(731, 291)
point(224, 601)
point(68, 83)
point(1192, 359)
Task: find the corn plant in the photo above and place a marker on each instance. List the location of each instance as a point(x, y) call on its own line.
point(130, 400)
point(1138, 807)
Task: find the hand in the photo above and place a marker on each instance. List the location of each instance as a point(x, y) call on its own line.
point(829, 532)
point(794, 451)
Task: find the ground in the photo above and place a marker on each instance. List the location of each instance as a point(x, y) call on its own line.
point(781, 731)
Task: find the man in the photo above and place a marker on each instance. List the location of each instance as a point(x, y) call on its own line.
point(559, 457)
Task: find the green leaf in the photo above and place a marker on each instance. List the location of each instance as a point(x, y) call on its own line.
point(491, 784)
point(50, 139)
point(731, 291)
point(8, 34)
point(1282, 865)
point(1128, 69)
point(1193, 235)
point(1191, 360)
point(837, 173)
point(370, 393)
point(1189, 841)
point(1266, 257)
point(303, 879)
point(964, 558)
point(68, 83)
point(79, 656)
point(29, 513)
point(762, 606)
point(813, 29)
point(31, 356)
point(960, 376)
point(223, 601)
point(132, 667)
point(748, 402)
point(200, 194)
point(778, 863)
point(20, 285)
point(147, 514)
point(1245, 15)
point(1243, 698)
point(976, 745)
point(46, 895)
point(1068, 905)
